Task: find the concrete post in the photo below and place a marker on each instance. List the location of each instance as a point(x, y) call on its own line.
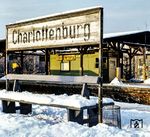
point(118, 73)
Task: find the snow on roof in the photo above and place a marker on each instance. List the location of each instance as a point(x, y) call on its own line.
point(57, 14)
point(2, 39)
point(3, 78)
point(117, 34)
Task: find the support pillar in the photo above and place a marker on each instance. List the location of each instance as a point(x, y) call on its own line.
point(46, 61)
point(75, 116)
point(130, 63)
point(5, 64)
point(81, 64)
point(122, 63)
point(49, 65)
point(118, 72)
point(21, 71)
point(8, 107)
point(100, 84)
point(144, 63)
point(118, 68)
point(7, 71)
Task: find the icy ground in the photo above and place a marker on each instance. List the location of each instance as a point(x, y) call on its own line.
point(52, 122)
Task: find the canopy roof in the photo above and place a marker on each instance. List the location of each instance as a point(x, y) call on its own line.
point(134, 38)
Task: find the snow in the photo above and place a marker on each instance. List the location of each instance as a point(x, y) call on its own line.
point(2, 39)
point(147, 81)
point(3, 78)
point(52, 122)
point(76, 100)
point(118, 34)
point(119, 83)
point(108, 100)
point(116, 81)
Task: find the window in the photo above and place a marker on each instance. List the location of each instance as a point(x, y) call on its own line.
point(11, 57)
point(65, 66)
point(104, 63)
point(140, 62)
point(42, 58)
point(96, 62)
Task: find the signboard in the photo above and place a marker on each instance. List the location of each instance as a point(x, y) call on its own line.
point(76, 28)
point(66, 57)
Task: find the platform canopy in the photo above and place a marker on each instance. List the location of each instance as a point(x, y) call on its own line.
point(127, 45)
point(130, 38)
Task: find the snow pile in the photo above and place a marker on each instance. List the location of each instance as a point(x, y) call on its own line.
point(51, 122)
point(46, 121)
point(25, 96)
point(116, 81)
point(3, 78)
point(73, 100)
point(108, 100)
point(44, 99)
point(147, 81)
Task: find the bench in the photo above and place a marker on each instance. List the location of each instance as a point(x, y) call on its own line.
point(74, 113)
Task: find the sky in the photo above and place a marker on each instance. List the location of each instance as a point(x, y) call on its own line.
point(119, 15)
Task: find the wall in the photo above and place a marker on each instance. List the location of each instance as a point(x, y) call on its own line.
point(89, 62)
point(139, 67)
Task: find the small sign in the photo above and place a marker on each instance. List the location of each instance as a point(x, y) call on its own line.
point(65, 66)
point(136, 123)
point(66, 57)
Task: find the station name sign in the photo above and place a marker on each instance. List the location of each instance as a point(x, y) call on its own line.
point(68, 29)
point(47, 33)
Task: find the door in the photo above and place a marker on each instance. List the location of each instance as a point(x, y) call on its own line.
point(112, 68)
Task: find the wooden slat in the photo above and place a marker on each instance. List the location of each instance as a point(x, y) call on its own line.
point(54, 79)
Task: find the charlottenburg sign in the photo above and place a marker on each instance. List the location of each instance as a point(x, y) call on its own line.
point(74, 28)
